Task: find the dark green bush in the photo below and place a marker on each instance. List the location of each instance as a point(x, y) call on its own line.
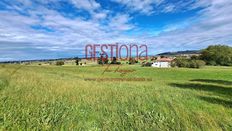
point(188, 63)
point(146, 64)
point(77, 61)
point(60, 63)
point(181, 62)
point(200, 63)
point(114, 61)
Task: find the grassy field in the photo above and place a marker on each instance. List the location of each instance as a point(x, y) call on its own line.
point(52, 97)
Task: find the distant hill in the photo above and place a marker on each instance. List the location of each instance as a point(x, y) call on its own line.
point(179, 53)
point(38, 60)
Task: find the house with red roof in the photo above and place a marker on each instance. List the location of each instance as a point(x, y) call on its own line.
point(162, 63)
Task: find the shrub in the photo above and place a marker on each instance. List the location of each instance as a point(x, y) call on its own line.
point(200, 63)
point(146, 64)
point(194, 57)
point(103, 59)
point(192, 64)
point(60, 63)
point(77, 60)
point(132, 61)
point(114, 61)
point(180, 62)
point(213, 63)
point(188, 63)
point(173, 64)
point(153, 58)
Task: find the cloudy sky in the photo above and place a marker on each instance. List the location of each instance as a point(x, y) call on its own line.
point(36, 29)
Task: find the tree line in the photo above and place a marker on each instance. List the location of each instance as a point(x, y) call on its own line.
point(217, 55)
point(214, 55)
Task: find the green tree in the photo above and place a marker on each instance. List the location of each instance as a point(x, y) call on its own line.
point(103, 59)
point(77, 60)
point(217, 55)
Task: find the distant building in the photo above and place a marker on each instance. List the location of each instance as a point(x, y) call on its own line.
point(162, 63)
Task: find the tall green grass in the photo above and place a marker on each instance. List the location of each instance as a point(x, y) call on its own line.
point(52, 98)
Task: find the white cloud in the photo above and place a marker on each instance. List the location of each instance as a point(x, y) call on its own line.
point(99, 15)
point(120, 23)
point(148, 7)
point(214, 27)
point(67, 32)
point(169, 8)
point(143, 6)
point(89, 5)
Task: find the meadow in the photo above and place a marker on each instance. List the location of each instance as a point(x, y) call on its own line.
point(59, 97)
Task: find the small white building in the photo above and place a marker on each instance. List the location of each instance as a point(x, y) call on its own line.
point(162, 63)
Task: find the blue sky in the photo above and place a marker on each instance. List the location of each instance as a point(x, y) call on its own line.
point(38, 29)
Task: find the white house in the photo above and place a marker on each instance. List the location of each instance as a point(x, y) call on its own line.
point(162, 63)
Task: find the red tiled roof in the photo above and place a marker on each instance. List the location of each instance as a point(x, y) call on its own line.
point(164, 60)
